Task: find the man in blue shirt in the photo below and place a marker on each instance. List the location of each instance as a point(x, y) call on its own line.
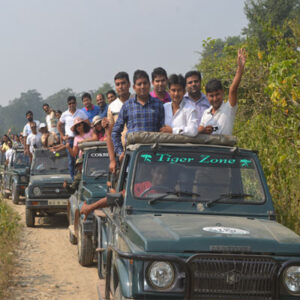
point(103, 106)
point(90, 109)
point(142, 113)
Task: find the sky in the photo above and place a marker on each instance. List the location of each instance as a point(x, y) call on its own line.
point(49, 45)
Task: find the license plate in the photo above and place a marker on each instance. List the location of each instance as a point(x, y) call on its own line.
point(57, 202)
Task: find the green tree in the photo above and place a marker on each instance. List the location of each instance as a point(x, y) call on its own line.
point(58, 101)
point(214, 48)
point(13, 115)
point(103, 89)
point(276, 12)
point(269, 109)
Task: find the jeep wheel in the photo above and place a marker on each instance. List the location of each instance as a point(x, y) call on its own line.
point(72, 238)
point(85, 247)
point(29, 216)
point(15, 194)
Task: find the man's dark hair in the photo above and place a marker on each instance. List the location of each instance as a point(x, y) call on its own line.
point(213, 85)
point(28, 112)
point(193, 73)
point(70, 98)
point(103, 96)
point(86, 95)
point(159, 72)
point(122, 75)
point(45, 104)
point(177, 79)
point(111, 92)
point(58, 111)
point(138, 74)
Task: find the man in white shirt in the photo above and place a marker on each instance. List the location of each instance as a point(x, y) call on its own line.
point(219, 118)
point(51, 120)
point(193, 93)
point(180, 115)
point(33, 140)
point(27, 128)
point(67, 120)
point(9, 153)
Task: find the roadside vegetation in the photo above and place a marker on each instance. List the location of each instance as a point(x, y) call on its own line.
point(268, 118)
point(9, 235)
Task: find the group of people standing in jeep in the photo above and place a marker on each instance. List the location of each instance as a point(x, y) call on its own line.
point(183, 109)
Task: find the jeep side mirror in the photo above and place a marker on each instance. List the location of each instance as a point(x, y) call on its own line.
point(115, 199)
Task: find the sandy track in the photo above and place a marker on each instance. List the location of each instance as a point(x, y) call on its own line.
point(47, 265)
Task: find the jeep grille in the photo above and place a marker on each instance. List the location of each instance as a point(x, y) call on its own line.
point(53, 191)
point(232, 277)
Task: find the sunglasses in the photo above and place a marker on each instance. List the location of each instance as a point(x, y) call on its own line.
point(70, 103)
point(79, 124)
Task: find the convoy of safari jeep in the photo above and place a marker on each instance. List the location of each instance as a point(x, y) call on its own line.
point(186, 218)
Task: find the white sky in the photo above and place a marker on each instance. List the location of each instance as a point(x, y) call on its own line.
point(49, 45)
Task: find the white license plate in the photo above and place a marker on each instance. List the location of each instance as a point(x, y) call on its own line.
point(57, 202)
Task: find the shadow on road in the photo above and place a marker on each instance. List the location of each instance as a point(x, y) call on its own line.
point(58, 221)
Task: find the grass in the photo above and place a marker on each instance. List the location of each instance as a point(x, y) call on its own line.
point(9, 236)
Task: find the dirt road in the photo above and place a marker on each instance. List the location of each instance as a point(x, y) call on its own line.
point(47, 265)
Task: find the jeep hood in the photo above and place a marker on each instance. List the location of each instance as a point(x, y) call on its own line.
point(46, 179)
point(202, 233)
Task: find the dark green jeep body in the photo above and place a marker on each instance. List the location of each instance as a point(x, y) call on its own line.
point(194, 221)
point(16, 176)
point(91, 188)
point(45, 194)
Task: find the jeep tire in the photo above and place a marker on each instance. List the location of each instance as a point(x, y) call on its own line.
point(30, 217)
point(85, 247)
point(15, 194)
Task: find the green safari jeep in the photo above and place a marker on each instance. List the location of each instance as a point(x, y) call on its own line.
point(45, 194)
point(91, 188)
point(193, 219)
point(16, 176)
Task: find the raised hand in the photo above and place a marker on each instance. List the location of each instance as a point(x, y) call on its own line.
point(241, 58)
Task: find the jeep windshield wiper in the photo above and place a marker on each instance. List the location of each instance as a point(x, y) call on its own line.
point(174, 193)
point(164, 195)
point(227, 196)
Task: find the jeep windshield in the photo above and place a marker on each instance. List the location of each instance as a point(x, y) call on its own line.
point(49, 163)
point(20, 160)
point(97, 164)
point(208, 177)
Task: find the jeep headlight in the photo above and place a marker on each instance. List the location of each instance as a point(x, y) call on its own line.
point(161, 275)
point(291, 279)
point(23, 179)
point(36, 191)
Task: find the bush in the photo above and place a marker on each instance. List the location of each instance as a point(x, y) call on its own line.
point(268, 118)
point(9, 233)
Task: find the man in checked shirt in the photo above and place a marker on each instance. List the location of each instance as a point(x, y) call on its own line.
point(141, 113)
